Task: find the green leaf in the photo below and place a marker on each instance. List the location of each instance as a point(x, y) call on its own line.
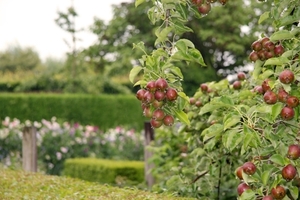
point(196, 56)
point(187, 43)
point(263, 17)
point(138, 2)
point(277, 61)
point(266, 74)
point(257, 69)
point(265, 177)
point(276, 109)
point(247, 139)
point(226, 100)
point(207, 108)
point(180, 28)
point(184, 96)
point(140, 82)
point(212, 131)
point(182, 11)
point(197, 152)
point(162, 34)
point(231, 120)
point(182, 116)
point(234, 138)
point(294, 191)
point(134, 72)
point(139, 45)
point(281, 35)
point(177, 72)
point(248, 195)
point(152, 14)
point(277, 159)
point(180, 56)
point(181, 46)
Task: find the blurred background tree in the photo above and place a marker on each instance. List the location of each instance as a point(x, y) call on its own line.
point(223, 37)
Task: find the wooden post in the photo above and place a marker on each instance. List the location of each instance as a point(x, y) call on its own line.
point(149, 136)
point(29, 149)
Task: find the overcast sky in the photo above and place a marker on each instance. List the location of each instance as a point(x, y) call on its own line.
point(31, 23)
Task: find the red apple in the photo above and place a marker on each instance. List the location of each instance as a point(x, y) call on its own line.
point(270, 97)
point(282, 95)
point(171, 94)
point(249, 168)
point(286, 76)
point(242, 188)
point(292, 101)
point(289, 172)
point(278, 192)
point(293, 152)
point(161, 84)
point(287, 113)
point(168, 120)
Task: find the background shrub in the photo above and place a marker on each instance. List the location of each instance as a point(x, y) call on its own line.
point(104, 111)
point(105, 171)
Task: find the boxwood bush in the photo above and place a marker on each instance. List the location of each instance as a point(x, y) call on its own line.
point(24, 185)
point(105, 171)
point(105, 111)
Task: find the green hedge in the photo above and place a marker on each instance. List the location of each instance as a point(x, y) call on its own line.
point(105, 111)
point(24, 185)
point(105, 171)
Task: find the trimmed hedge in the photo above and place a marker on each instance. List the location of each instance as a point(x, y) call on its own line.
point(24, 185)
point(105, 111)
point(104, 171)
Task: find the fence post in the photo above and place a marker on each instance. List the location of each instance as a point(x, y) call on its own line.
point(149, 136)
point(29, 149)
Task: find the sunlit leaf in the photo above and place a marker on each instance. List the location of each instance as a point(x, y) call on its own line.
point(277, 61)
point(138, 2)
point(281, 35)
point(182, 116)
point(276, 109)
point(263, 17)
point(134, 72)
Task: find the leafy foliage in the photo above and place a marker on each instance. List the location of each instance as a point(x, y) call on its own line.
point(235, 123)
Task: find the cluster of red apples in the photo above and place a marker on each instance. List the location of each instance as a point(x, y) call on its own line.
point(271, 97)
point(264, 49)
point(204, 6)
point(153, 97)
point(288, 172)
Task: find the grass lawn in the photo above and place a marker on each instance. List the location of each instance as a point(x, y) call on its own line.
point(35, 186)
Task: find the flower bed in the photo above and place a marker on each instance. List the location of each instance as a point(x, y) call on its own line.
point(58, 141)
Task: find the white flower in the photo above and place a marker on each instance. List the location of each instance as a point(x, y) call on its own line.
point(64, 149)
point(58, 155)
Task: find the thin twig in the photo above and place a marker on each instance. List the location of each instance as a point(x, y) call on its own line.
point(199, 176)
